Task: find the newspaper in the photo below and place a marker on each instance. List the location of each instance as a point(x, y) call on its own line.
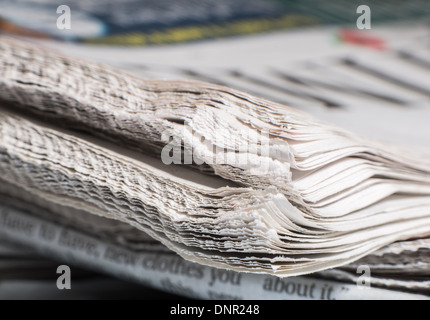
point(304, 69)
point(170, 272)
point(373, 93)
point(262, 187)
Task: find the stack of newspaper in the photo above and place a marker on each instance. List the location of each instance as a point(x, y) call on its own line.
point(112, 171)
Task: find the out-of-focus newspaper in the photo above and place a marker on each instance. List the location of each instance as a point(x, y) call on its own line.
point(171, 273)
point(371, 93)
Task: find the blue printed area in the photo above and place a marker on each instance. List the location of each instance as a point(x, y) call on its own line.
point(98, 19)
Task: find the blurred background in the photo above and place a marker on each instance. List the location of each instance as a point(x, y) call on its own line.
point(146, 22)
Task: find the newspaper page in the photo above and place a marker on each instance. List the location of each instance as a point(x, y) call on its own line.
point(171, 273)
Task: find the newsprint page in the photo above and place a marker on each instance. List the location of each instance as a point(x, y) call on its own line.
point(215, 151)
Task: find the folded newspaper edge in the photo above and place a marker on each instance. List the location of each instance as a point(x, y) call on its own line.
point(308, 197)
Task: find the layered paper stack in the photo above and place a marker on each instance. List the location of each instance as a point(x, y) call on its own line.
point(222, 178)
